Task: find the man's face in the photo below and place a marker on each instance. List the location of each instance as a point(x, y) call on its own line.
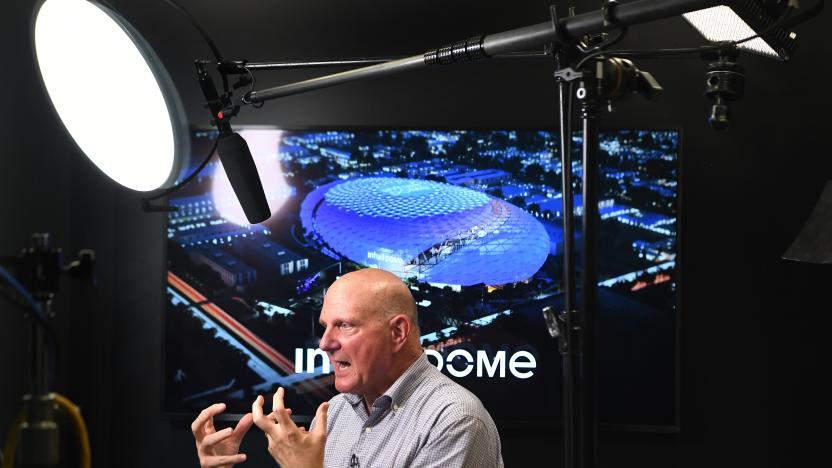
point(358, 342)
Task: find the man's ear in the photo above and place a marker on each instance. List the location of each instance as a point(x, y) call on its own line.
point(400, 328)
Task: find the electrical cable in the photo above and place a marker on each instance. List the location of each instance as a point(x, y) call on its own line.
point(253, 79)
point(256, 105)
point(185, 181)
point(80, 427)
point(10, 447)
point(214, 49)
point(30, 301)
point(218, 57)
point(38, 315)
point(14, 299)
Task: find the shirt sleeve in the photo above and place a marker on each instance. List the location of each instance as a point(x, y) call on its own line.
point(465, 442)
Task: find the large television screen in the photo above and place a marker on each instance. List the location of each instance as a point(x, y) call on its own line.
point(471, 220)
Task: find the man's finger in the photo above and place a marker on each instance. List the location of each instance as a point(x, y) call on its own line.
point(277, 399)
point(264, 423)
point(320, 419)
point(273, 415)
point(222, 460)
point(204, 421)
point(218, 436)
point(280, 412)
point(243, 425)
point(284, 420)
point(257, 411)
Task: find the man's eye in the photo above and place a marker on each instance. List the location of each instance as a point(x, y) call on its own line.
point(345, 326)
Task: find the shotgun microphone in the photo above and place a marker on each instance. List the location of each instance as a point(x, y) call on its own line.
point(242, 174)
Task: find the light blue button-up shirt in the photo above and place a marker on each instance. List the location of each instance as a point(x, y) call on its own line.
point(424, 420)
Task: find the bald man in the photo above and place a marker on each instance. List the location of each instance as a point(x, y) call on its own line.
point(395, 409)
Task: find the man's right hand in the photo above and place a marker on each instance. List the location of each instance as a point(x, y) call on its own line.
point(219, 448)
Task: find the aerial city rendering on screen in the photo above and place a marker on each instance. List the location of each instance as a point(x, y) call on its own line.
point(471, 220)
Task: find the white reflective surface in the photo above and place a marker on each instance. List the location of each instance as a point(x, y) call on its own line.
point(720, 23)
point(105, 93)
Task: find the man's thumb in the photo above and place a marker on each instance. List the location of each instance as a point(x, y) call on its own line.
point(320, 418)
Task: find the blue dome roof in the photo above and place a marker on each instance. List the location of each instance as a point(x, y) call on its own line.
point(437, 232)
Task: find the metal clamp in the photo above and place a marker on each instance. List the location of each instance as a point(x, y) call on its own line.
point(560, 34)
point(607, 11)
point(556, 323)
point(568, 74)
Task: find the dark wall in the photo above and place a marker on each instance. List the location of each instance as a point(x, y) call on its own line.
point(753, 326)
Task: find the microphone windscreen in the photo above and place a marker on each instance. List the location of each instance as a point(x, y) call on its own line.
point(242, 174)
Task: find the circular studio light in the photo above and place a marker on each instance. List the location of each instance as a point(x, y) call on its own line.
point(111, 93)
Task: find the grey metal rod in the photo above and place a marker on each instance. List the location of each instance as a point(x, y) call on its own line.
point(254, 66)
point(289, 65)
point(525, 38)
point(373, 71)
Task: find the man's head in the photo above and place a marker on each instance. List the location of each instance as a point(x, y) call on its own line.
point(371, 333)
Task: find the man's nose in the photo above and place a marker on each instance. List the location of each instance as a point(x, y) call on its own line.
point(327, 342)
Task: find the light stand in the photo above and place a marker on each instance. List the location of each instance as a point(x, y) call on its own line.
point(600, 81)
point(37, 279)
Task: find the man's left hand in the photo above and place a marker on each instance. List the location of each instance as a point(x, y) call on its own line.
point(289, 445)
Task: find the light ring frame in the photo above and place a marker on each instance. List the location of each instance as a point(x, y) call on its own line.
point(173, 103)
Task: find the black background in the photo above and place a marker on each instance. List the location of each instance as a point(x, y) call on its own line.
point(753, 326)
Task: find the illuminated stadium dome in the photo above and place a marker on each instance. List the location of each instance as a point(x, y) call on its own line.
point(437, 232)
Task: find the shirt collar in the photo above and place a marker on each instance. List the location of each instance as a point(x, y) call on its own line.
point(403, 387)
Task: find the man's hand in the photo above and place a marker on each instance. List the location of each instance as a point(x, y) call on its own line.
point(289, 445)
point(218, 448)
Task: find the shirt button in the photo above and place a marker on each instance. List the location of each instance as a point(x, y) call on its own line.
point(368, 429)
point(395, 407)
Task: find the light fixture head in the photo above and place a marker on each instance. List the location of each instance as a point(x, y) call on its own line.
point(814, 242)
point(739, 19)
point(111, 93)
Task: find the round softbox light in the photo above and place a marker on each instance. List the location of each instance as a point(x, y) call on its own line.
point(111, 93)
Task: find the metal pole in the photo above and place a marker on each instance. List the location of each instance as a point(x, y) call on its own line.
point(587, 93)
point(38, 384)
point(521, 39)
point(239, 67)
point(567, 348)
point(373, 71)
point(255, 66)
